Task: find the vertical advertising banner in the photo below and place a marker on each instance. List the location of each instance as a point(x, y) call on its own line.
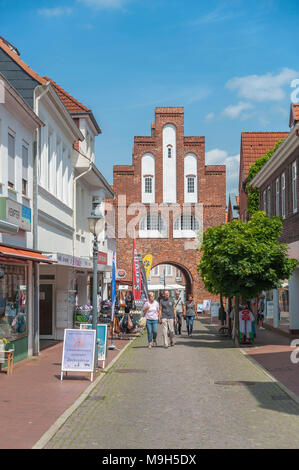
point(147, 263)
point(143, 277)
point(113, 286)
point(136, 274)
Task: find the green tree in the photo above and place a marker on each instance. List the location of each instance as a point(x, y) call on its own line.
point(242, 259)
point(253, 198)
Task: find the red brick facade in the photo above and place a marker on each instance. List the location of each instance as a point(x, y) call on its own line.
point(211, 186)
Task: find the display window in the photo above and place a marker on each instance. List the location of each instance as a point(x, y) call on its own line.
point(13, 301)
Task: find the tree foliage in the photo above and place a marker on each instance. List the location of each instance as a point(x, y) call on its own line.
point(242, 259)
point(253, 192)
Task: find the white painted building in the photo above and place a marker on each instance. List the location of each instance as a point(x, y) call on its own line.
point(18, 126)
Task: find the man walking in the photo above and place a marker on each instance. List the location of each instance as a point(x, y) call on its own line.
point(167, 317)
point(179, 307)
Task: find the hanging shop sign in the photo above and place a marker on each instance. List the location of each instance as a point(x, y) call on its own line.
point(15, 213)
point(102, 337)
point(121, 273)
point(25, 223)
point(78, 353)
point(102, 257)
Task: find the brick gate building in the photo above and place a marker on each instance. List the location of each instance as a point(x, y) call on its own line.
point(168, 175)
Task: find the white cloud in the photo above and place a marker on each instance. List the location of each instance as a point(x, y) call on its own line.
point(55, 12)
point(267, 87)
point(232, 162)
point(209, 117)
point(103, 4)
point(235, 111)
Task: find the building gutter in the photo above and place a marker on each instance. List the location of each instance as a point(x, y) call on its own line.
point(36, 157)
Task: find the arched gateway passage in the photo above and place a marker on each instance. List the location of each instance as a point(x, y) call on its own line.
point(176, 278)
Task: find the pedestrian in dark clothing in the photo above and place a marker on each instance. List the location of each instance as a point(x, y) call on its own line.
point(189, 314)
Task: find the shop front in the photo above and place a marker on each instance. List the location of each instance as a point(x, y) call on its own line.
point(16, 299)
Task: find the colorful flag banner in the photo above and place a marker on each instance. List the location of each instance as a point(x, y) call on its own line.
point(113, 286)
point(136, 274)
point(147, 263)
point(143, 278)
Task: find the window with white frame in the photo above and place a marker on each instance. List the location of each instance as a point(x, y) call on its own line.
point(283, 195)
point(178, 273)
point(156, 271)
point(152, 225)
point(277, 196)
point(186, 222)
point(24, 169)
point(294, 186)
point(190, 184)
point(169, 270)
point(11, 150)
point(148, 184)
point(269, 201)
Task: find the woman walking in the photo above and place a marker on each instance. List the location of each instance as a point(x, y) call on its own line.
point(151, 310)
point(189, 314)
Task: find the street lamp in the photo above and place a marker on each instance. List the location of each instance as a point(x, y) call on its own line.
point(96, 223)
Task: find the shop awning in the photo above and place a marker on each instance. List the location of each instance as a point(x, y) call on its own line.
point(23, 254)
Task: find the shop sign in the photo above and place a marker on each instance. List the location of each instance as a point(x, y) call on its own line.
point(15, 213)
point(78, 351)
point(215, 309)
point(102, 338)
point(120, 273)
point(82, 262)
point(10, 210)
point(102, 257)
point(123, 287)
point(206, 304)
point(25, 223)
point(270, 309)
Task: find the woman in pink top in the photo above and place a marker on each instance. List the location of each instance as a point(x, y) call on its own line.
point(151, 310)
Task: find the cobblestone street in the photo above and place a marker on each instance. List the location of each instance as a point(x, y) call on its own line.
point(157, 399)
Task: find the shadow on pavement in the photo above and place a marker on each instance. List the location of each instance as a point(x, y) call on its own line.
point(269, 396)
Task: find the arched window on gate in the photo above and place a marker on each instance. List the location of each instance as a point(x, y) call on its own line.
point(153, 226)
point(186, 226)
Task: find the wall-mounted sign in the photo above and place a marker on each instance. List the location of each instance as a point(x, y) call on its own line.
point(25, 223)
point(121, 273)
point(69, 260)
point(102, 257)
point(15, 213)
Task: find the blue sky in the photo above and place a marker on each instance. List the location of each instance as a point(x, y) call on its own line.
point(230, 64)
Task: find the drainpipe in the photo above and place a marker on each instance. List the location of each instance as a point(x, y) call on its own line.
point(36, 157)
point(75, 206)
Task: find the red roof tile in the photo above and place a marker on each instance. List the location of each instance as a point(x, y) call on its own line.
point(71, 104)
point(256, 144)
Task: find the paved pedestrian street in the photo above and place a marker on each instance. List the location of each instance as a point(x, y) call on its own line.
point(169, 398)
